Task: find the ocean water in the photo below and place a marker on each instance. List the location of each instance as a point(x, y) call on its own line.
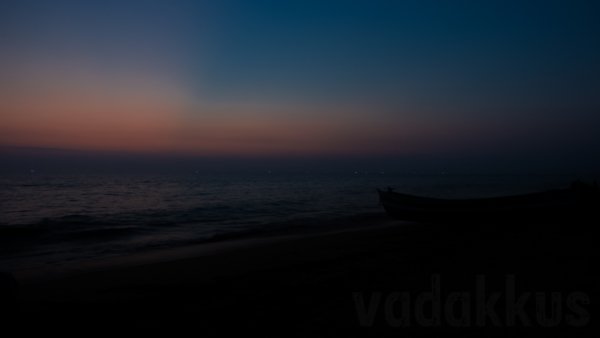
point(60, 220)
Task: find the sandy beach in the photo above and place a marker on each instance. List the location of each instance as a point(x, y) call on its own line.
point(322, 284)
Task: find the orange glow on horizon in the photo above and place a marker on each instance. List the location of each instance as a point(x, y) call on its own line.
point(129, 112)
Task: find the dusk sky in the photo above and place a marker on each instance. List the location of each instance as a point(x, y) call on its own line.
point(301, 78)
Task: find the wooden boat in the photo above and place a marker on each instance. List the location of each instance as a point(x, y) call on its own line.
point(578, 201)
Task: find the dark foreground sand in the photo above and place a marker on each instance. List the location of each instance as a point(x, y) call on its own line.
point(330, 284)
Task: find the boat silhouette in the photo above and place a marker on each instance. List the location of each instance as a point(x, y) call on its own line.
point(580, 201)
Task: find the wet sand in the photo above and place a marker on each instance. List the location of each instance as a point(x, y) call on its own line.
point(321, 284)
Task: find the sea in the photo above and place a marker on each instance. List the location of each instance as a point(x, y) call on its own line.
point(59, 221)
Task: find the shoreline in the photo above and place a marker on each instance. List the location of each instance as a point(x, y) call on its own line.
point(211, 247)
point(305, 284)
point(15, 261)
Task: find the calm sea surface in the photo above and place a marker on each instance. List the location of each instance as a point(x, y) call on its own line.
point(53, 220)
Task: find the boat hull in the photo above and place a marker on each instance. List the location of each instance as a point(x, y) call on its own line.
point(549, 206)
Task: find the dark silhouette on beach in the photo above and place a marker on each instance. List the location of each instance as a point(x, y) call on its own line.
point(577, 203)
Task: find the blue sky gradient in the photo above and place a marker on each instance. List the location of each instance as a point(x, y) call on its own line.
point(356, 77)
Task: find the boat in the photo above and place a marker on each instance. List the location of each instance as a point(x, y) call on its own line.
point(580, 201)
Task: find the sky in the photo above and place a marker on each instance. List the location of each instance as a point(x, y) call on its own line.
point(453, 79)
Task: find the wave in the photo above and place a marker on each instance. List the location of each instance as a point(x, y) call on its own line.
point(102, 233)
